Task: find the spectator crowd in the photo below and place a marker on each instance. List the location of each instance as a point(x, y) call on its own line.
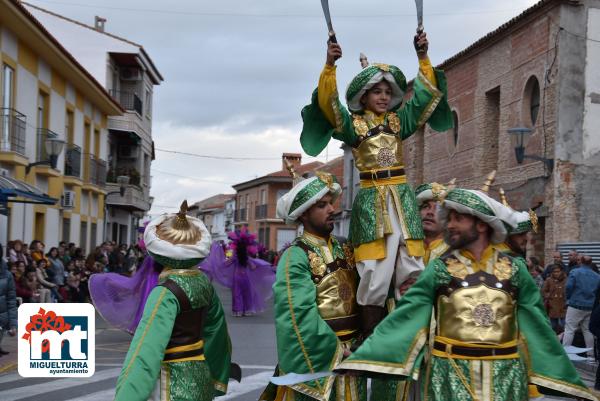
point(61, 274)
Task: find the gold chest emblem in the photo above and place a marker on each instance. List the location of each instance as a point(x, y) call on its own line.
point(360, 126)
point(456, 268)
point(394, 122)
point(503, 269)
point(386, 157)
point(317, 265)
point(483, 315)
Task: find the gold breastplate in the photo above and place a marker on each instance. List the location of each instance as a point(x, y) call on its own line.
point(476, 312)
point(381, 151)
point(336, 294)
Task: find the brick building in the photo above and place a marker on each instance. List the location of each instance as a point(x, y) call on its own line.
point(538, 71)
point(256, 200)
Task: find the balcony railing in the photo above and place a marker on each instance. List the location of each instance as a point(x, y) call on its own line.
point(97, 171)
point(129, 100)
point(42, 135)
point(73, 161)
point(12, 131)
point(261, 211)
point(240, 215)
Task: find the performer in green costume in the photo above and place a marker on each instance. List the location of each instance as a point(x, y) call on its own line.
point(182, 338)
point(316, 316)
point(492, 335)
point(385, 227)
point(516, 241)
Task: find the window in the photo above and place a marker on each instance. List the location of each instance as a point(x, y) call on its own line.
point(455, 129)
point(148, 101)
point(531, 101)
point(69, 126)
point(66, 229)
point(263, 196)
point(8, 75)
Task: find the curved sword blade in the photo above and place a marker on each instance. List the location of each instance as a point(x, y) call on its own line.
point(325, 5)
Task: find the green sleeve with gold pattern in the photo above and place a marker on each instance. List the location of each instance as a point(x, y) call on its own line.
point(395, 347)
point(548, 364)
point(217, 344)
point(428, 104)
point(305, 343)
point(317, 131)
point(146, 352)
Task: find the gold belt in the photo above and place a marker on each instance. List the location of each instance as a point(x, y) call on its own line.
point(182, 353)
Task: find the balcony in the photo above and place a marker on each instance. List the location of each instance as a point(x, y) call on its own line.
point(260, 212)
point(131, 172)
point(129, 100)
point(134, 198)
point(97, 171)
point(42, 135)
point(73, 161)
point(12, 131)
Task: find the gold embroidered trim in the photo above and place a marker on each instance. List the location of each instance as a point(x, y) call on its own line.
point(139, 345)
point(390, 367)
point(394, 122)
point(360, 126)
point(333, 100)
point(293, 316)
point(219, 386)
point(435, 100)
point(179, 272)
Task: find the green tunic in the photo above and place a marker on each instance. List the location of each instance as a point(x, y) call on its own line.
point(398, 345)
point(305, 341)
point(427, 104)
point(197, 380)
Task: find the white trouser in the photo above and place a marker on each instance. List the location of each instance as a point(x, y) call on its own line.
point(577, 318)
point(376, 275)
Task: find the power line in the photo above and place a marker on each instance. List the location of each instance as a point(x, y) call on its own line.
point(235, 158)
point(216, 157)
point(192, 178)
point(271, 15)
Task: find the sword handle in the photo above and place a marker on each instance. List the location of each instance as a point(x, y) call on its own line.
point(419, 49)
point(332, 37)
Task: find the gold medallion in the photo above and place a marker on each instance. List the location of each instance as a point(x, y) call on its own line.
point(360, 125)
point(317, 266)
point(483, 315)
point(394, 123)
point(386, 157)
point(382, 67)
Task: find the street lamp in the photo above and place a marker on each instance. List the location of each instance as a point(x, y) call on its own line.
point(123, 181)
point(521, 137)
point(53, 148)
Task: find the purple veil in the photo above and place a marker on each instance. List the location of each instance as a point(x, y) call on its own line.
point(250, 284)
point(119, 299)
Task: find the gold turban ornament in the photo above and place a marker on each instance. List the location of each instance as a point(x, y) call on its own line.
point(177, 229)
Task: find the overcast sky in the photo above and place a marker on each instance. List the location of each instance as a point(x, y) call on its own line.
point(238, 72)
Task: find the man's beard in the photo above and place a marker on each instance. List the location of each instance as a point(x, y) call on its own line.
point(463, 239)
point(515, 247)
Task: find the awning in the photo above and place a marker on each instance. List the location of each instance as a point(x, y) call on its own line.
point(11, 188)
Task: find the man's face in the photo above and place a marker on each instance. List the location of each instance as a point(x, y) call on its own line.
point(572, 256)
point(461, 230)
point(319, 218)
point(377, 99)
point(556, 257)
point(429, 218)
point(518, 243)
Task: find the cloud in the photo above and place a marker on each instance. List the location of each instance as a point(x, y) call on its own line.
point(235, 83)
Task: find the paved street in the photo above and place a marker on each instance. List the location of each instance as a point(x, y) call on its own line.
point(253, 348)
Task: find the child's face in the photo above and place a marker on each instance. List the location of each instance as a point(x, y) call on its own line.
point(377, 99)
point(556, 273)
